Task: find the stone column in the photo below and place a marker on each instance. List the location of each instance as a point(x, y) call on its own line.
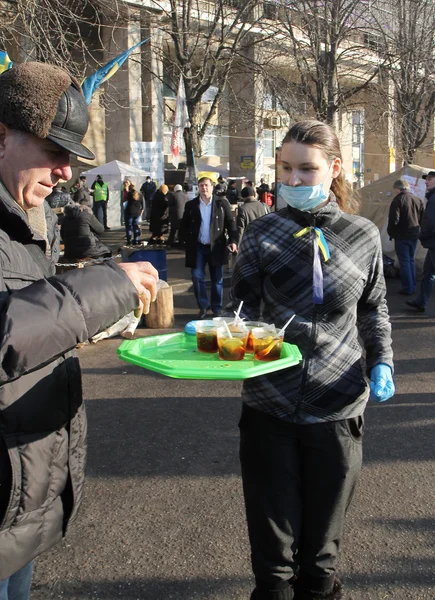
point(152, 75)
point(123, 113)
point(246, 124)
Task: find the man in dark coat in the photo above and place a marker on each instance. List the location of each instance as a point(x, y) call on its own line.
point(404, 220)
point(427, 240)
point(148, 189)
point(176, 202)
point(207, 228)
point(232, 192)
point(250, 210)
point(43, 119)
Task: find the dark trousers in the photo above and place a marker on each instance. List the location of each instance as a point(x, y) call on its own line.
point(428, 278)
point(298, 481)
point(203, 258)
point(17, 586)
point(405, 251)
point(100, 211)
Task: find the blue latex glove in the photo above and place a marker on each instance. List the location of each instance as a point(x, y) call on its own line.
point(381, 383)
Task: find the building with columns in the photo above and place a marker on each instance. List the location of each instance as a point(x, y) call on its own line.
point(136, 106)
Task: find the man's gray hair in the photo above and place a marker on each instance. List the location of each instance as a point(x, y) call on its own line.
point(401, 184)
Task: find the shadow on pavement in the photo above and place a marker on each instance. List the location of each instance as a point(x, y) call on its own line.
point(151, 589)
point(163, 437)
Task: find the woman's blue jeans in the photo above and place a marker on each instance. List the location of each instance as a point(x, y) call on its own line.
point(132, 228)
point(17, 586)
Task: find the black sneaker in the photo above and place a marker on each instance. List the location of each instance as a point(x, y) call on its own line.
point(202, 313)
point(414, 304)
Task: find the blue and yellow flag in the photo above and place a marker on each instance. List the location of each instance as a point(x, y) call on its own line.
point(5, 62)
point(90, 84)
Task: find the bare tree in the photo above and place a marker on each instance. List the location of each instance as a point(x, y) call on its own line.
point(407, 36)
point(204, 41)
point(63, 32)
point(331, 60)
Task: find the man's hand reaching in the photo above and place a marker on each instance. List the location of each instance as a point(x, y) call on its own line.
point(144, 277)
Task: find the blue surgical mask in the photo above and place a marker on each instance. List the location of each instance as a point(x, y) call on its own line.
point(304, 197)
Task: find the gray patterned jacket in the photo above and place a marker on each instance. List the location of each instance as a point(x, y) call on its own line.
point(341, 339)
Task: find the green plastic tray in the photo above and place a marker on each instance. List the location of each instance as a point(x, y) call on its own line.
point(176, 355)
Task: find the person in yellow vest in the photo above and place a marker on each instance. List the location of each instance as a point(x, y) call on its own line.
point(101, 200)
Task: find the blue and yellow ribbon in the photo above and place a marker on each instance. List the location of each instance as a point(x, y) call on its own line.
point(5, 62)
point(320, 246)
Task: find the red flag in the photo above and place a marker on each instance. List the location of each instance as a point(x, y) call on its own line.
point(181, 121)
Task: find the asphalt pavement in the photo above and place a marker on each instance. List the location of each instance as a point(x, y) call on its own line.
point(163, 516)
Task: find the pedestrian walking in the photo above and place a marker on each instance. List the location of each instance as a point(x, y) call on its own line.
point(148, 189)
point(251, 209)
point(159, 218)
point(43, 120)
point(301, 428)
point(100, 191)
point(404, 220)
point(133, 211)
point(427, 240)
point(176, 203)
point(207, 228)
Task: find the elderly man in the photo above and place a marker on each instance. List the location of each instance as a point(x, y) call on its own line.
point(404, 219)
point(43, 119)
point(427, 239)
point(206, 223)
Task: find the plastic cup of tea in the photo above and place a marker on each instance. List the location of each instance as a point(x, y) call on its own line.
point(267, 343)
point(230, 321)
point(206, 337)
point(232, 344)
point(250, 326)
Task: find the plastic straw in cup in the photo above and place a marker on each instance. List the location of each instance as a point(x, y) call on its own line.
point(230, 335)
point(281, 331)
point(237, 314)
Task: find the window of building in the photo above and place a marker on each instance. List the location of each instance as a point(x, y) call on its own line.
point(168, 87)
point(216, 141)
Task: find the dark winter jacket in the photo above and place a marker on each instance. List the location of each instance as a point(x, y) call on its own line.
point(134, 208)
point(177, 202)
point(250, 210)
point(159, 218)
point(148, 189)
point(79, 230)
point(82, 196)
point(427, 233)
point(222, 230)
point(340, 339)
point(58, 199)
point(405, 216)
point(42, 418)
point(233, 195)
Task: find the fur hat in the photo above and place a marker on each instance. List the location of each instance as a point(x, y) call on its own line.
point(46, 101)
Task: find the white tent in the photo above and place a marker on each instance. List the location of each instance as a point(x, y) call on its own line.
point(377, 197)
point(114, 173)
